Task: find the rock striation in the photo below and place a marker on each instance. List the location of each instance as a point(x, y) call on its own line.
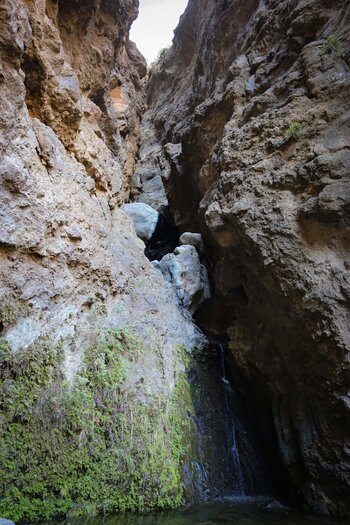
point(252, 105)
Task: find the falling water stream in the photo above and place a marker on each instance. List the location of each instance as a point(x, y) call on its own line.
point(230, 425)
point(240, 508)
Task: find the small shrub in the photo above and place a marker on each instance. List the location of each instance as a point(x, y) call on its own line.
point(334, 47)
point(294, 128)
point(162, 53)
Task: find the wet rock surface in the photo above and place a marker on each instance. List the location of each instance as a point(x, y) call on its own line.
point(252, 107)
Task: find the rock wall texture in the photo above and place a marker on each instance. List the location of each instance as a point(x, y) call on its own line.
point(92, 373)
point(252, 104)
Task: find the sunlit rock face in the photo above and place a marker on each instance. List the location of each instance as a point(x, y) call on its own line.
point(90, 331)
point(71, 100)
point(252, 104)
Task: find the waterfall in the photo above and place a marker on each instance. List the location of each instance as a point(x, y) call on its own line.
point(232, 432)
point(231, 429)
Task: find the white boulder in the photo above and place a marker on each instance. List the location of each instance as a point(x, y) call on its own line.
point(144, 217)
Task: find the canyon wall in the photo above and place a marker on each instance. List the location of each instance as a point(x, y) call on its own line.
point(111, 398)
point(94, 343)
point(252, 105)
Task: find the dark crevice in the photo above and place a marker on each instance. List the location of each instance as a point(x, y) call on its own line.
point(164, 239)
point(255, 408)
point(34, 82)
point(98, 98)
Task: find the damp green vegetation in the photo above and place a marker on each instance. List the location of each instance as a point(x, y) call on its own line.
point(188, 356)
point(87, 448)
point(7, 315)
point(333, 47)
point(96, 304)
point(294, 128)
point(11, 311)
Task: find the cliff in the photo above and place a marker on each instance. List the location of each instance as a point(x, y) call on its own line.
point(112, 398)
point(252, 105)
point(92, 369)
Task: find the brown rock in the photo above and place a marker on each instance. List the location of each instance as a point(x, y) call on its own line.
point(257, 95)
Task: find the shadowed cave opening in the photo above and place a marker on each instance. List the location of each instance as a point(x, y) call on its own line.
point(164, 239)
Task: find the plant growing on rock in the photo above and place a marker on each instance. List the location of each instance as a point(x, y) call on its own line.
point(87, 447)
point(334, 47)
point(11, 311)
point(7, 315)
point(162, 53)
point(294, 128)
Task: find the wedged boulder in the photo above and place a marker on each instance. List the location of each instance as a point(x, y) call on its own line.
point(6, 522)
point(144, 218)
point(192, 239)
point(188, 276)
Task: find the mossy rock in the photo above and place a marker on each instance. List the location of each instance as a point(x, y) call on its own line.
point(86, 448)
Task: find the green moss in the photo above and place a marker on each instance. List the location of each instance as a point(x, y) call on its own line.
point(11, 310)
point(87, 448)
point(7, 315)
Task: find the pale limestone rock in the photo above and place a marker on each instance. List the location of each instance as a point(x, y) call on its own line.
point(183, 270)
point(69, 256)
point(193, 239)
point(144, 218)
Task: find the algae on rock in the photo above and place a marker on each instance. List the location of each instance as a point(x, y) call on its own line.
point(88, 447)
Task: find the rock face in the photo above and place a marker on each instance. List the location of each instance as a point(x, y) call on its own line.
point(152, 167)
point(105, 405)
point(252, 104)
point(91, 378)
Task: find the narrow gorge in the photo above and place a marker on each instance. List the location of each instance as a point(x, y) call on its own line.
point(174, 261)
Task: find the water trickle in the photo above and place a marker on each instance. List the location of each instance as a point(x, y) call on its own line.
point(234, 453)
